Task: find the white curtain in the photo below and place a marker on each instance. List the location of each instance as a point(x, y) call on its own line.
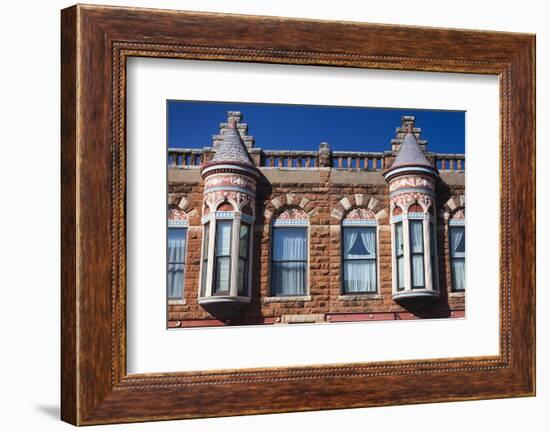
point(417, 246)
point(458, 254)
point(223, 259)
point(359, 260)
point(289, 261)
point(176, 261)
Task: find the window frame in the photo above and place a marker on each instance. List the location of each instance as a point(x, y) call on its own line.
point(246, 287)
point(412, 253)
point(453, 224)
point(401, 256)
point(227, 292)
point(174, 225)
point(361, 224)
point(294, 224)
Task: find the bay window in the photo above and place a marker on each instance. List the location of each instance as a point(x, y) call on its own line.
point(225, 270)
point(414, 254)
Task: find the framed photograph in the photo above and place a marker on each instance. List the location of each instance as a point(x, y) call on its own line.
point(280, 207)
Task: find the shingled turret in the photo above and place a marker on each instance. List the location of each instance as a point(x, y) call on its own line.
point(410, 158)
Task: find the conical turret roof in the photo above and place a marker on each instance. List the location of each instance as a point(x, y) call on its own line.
point(232, 149)
point(410, 153)
point(410, 158)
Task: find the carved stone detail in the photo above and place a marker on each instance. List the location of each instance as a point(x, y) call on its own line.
point(411, 182)
point(360, 214)
point(404, 200)
point(292, 214)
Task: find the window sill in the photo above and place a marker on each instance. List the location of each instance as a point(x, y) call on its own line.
point(286, 298)
point(361, 297)
point(177, 302)
point(457, 294)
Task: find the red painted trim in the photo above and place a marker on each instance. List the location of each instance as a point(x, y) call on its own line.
point(330, 317)
point(397, 315)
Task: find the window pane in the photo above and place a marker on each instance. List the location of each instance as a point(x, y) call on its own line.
point(243, 243)
point(458, 274)
point(289, 278)
point(176, 245)
point(223, 238)
point(289, 244)
point(433, 240)
point(417, 252)
point(243, 276)
point(222, 274)
point(399, 239)
point(417, 236)
point(206, 236)
point(359, 242)
point(243, 259)
point(359, 276)
point(204, 268)
point(400, 273)
point(176, 258)
point(175, 280)
point(417, 270)
point(458, 241)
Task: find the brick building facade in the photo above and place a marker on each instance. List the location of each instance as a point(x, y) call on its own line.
point(276, 237)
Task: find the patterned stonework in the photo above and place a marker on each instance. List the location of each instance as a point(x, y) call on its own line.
point(213, 199)
point(229, 180)
point(404, 200)
point(410, 182)
point(176, 214)
point(292, 214)
point(360, 214)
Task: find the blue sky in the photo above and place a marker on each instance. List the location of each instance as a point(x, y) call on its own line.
point(303, 127)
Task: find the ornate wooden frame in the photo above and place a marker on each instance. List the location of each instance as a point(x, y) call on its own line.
point(96, 41)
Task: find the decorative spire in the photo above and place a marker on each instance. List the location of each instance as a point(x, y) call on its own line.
point(410, 152)
point(231, 150)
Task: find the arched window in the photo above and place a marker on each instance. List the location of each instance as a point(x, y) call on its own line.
point(177, 241)
point(359, 252)
point(457, 247)
point(289, 253)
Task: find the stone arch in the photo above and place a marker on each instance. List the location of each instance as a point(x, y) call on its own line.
point(291, 212)
point(359, 213)
point(406, 200)
point(415, 207)
point(181, 203)
point(358, 200)
point(453, 205)
point(276, 205)
point(176, 213)
point(225, 205)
